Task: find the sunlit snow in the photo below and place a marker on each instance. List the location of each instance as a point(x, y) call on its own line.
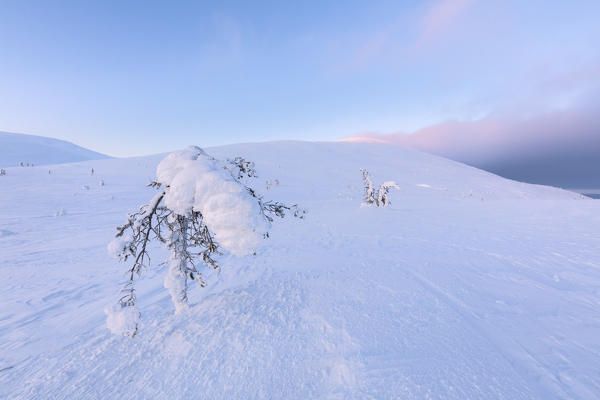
point(486, 289)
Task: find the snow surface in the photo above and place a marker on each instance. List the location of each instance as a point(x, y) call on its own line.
point(38, 150)
point(467, 286)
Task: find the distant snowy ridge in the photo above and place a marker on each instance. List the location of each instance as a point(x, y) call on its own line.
point(16, 148)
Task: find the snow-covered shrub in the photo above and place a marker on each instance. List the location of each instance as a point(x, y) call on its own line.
point(383, 192)
point(379, 198)
point(2, 172)
point(202, 209)
point(369, 192)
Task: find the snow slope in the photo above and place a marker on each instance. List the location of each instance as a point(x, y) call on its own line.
point(38, 150)
point(468, 286)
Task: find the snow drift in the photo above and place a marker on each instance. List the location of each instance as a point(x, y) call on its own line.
point(467, 286)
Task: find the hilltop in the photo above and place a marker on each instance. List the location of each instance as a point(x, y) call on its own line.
point(16, 148)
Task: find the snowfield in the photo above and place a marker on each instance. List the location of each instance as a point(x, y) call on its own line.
point(469, 286)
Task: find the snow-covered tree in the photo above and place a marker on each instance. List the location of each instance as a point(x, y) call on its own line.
point(369, 193)
point(379, 198)
point(201, 210)
point(383, 192)
point(2, 172)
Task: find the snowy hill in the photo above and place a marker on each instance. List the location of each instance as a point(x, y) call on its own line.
point(38, 150)
point(468, 286)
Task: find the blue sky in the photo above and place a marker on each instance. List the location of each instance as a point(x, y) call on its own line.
point(139, 77)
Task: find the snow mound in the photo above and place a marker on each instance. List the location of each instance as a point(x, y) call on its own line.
point(122, 320)
point(197, 182)
point(16, 148)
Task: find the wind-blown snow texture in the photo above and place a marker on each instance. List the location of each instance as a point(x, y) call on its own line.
point(467, 286)
point(38, 150)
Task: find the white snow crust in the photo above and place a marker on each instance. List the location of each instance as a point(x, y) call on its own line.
point(468, 286)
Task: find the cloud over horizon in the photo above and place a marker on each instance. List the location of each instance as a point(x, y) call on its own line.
point(557, 147)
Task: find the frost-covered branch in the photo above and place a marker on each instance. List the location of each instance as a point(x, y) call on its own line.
point(241, 168)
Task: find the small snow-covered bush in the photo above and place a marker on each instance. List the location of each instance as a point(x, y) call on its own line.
point(202, 209)
point(379, 198)
point(2, 172)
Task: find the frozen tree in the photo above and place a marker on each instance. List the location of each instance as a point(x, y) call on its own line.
point(201, 210)
point(379, 198)
point(369, 193)
point(2, 171)
point(384, 191)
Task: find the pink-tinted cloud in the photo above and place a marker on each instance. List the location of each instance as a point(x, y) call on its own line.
point(396, 40)
point(440, 16)
point(559, 147)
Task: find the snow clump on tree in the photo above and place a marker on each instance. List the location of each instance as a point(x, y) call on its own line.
point(201, 209)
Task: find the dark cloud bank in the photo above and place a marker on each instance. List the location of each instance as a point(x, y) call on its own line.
point(559, 148)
